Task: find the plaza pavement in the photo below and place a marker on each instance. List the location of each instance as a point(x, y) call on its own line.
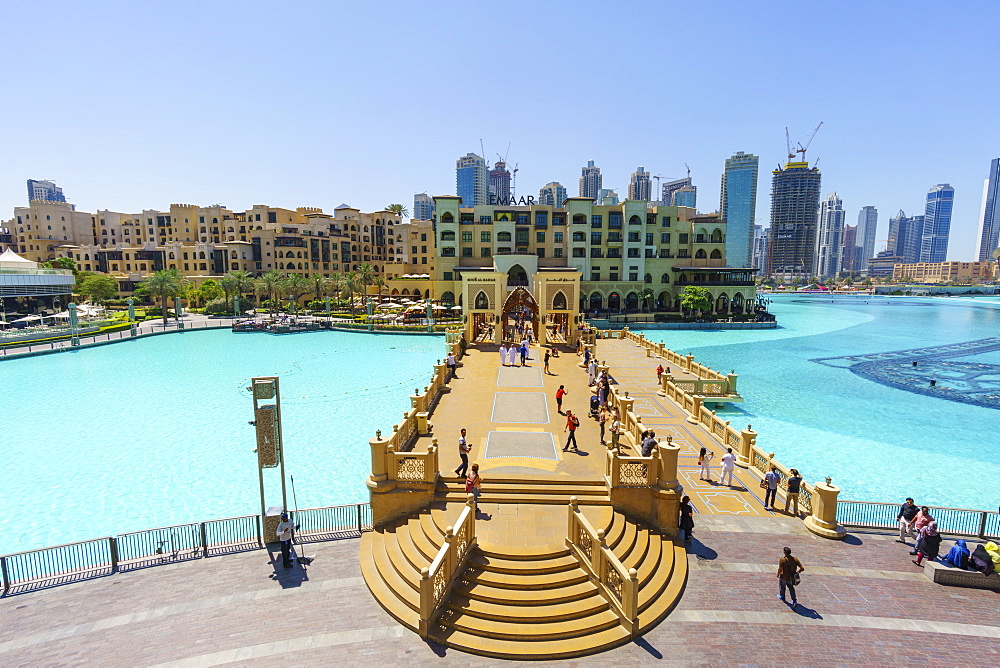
point(862, 601)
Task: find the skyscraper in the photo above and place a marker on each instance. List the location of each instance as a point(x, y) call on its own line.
point(738, 205)
point(591, 181)
point(867, 226)
point(639, 187)
point(500, 182)
point(937, 223)
point(45, 191)
point(686, 196)
point(423, 207)
point(472, 180)
point(904, 237)
point(850, 255)
point(759, 259)
point(989, 221)
point(791, 244)
point(830, 236)
point(552, 194)
point(671, 187)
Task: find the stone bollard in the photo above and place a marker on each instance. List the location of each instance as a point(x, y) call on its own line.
point(823, 520)
point(423, 426)
point(747, 438)
point(379, 447)
point(695, 416)
point(690, 361)
point(664, 379)
point(732, 381)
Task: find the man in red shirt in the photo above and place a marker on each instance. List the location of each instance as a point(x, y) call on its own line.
point(560, 393)
point(572, 422)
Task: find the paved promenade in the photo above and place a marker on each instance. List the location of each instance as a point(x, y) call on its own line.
point(861, 600)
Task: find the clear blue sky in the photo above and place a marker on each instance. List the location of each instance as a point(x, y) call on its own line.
point(137, 105)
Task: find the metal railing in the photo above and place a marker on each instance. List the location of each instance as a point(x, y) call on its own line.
point(956, 521)
point(100, 339)
point(63, 564)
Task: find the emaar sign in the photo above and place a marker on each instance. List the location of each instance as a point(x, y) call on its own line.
point(512, 201)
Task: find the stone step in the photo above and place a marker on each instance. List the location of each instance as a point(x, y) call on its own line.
point(526, 597)
point(656, 610)
point(528, 488)
point(528, 649)
point(538, 581)
point(491, 628)
point(497, 564)
point(537, 612)
point(539, 499)
point(406, 612)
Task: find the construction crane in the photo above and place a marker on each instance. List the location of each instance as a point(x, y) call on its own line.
point(513, 182)
point(788, 146)
point(802, 149)
point(688, 168)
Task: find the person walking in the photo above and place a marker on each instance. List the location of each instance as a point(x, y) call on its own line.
point(616, 429)
point(452, 364)
point(524, 354)
point(602, 419)
point(560, 393)
point(463, 451)
point(503, 354)
point(789, 568)
point(284, 533)
point(906, 516)
point(512, 354)
point(792, 492)
point(572, 422)
point(705, 462)
point(659, 373)
point(547, 361)
point(474, 484)
point(771, 478)
point(686, 523)
point(728, 466)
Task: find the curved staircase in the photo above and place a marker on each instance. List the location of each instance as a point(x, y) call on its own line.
point(521, 605)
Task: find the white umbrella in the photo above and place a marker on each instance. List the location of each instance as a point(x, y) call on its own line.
point(28, 318)
point(456, 308)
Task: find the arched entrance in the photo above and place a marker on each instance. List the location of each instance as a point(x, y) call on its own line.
point(520, 315)
point(517, 277)
point(614, 302)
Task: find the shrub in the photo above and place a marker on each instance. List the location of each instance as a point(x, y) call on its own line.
point(223, 306)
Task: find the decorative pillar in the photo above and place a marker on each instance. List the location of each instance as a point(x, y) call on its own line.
point(236, 306)
point(430, 316)
point(747, 438)
point(131, 316)
point(732, 381)
point(668, 464)
point(380, 471)
point(695, 416)
point(177, 312)
point(326, 301)
point(690, 361)
point(370, 310)
point(823, 520)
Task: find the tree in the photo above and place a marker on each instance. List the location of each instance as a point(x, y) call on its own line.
point(366, 276)
point(229, 287)
point(295, 286)
point(163, 284)
point(399, 210)
point(379, 283)
point(243, 281)
point(270, 285)
point(61, 263)
point(646, 296)
point(349, 285)
point(98, 288)
point(319, 285)
point(696, 299)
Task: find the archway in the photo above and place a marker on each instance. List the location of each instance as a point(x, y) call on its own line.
point(722, 304)
point(520, 315)
point(596, 301)
point(614, 302)
point(482, 302)
point(737, 305)
point(517, 277)
point(631, 301)
point(559, 301)
point(662, 301)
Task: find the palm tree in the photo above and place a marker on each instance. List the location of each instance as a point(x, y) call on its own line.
point(259, 289)
point(165, 283)
point(366, 276)
point(271, 285)
point(349, 285)
point(399, 210)
point(646, 296)
point(295, 286)
point(379, 283)
point(243, 281)
point(320, 285)
point(230, 287)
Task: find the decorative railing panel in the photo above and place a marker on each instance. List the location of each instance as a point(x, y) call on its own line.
point(957, 521)
point(437, 579)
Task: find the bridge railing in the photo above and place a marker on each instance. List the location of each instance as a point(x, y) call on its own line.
point(982, 524)
point(437, 580)
point(618, 585)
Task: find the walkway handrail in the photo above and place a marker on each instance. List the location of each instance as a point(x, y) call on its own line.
point(956, 521)
point(80, 560)
point(413, 466)
point(632, 471)
point(685, 362)
point(618, 585)
point(437, 580)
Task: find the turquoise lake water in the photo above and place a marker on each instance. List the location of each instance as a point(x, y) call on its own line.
point(154, 432)
point(878, 443)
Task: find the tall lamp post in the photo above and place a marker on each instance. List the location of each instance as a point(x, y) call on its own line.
point(131, 315)
point(270, 448)
point(74, 326)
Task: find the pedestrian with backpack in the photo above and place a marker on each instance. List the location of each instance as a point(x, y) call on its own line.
point(789, 568)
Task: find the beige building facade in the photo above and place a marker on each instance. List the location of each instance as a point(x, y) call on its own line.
point(963, 273)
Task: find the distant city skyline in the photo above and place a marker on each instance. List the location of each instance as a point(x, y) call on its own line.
point(346, 140)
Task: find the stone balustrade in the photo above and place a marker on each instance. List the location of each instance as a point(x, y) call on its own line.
point(619, 586)
point(437, 580)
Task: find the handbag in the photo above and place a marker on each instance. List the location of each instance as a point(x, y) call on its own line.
point(763, 484)
point(796, 579)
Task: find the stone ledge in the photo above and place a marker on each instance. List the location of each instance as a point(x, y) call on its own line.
point(956, 577)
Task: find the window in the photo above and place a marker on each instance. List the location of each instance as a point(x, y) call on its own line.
point(423, 249)
point(448, 276)
point(522, 237)
point(682, 252)
point(448, 251)
point(615, 220)
point(665, 221)
point(651, 219)
point(423, 260)
point(540, 238)
point(484, 237)
point(633, 237)
point(466, 251)
point(595, 238)
point(579, 236)
point(614, 237)
point(503, 236)
point(634, 220)
point(613, 276)
point(541, 218)
point(664, 237)
point(485, 252)
point(649, 238)
point(423, 236)
point(414, 250)
point(540, 252)
point(597, 252)
point(579, 252)
point(596, 221)
point(682, 238)
point(522, 219)
point(633, 252)
point(557, 237)
point(633, 276)
point(447, 235)
point(595, 275)
point(486, 219)
point(664, 278)
point(557, 252)
point(614, 252)
point(466, 236)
